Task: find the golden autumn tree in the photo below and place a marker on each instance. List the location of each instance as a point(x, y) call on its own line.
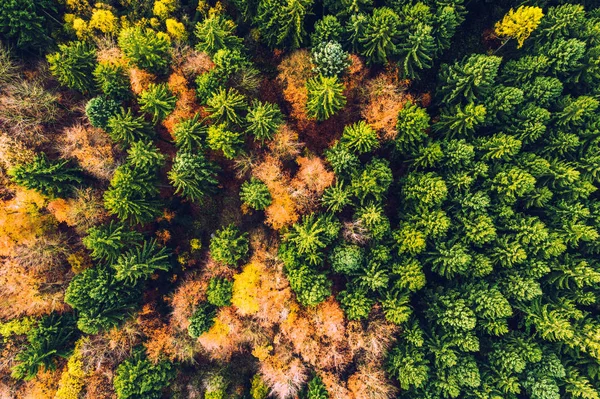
point(519, 24)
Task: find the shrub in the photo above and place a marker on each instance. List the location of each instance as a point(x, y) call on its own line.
point(219, 291)
point(138, 377)
point(157, 101)
point(100, 109)
point(360, 137)
point(325, 97)
point(49, 178)
point(255, 194)
point(229, 246)
point(263, 120)
point(330, 59)
point(73, 65)
point(202, 320)
point(219, 138)
point(146, 48)
point(112, 79)
point(192, 176)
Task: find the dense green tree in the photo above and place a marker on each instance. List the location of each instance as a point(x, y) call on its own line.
point(311, 236)
point(255, 194)
point(316, 389)
point(100, 109)
point(330, 59)
point(138, 377)
point(229, 246)
point(157, 101)
point(207, 84)
point(373, 181)
point(202, 319)
point(215, 33)
point(343, 161)
point(460, 121)
point(112, 80)
point(310, 287)
point(417, 51)
point(143, 155)
point(50, 339)
point(360, 137)
point(263, 120)
point(346, 259)
point(327, 29)
point(73, 65)
point(227, 106)
point(336, 197)
point(126, 128)
point(325, 97)
point(469, 79)
point(101, 301)
point(132, 195)
point(28, 24)
point(106, 242)
point(219, 291)
point(221, 138)
point(193, 176)
point(141, 262)
point(379, 40)
point(356, 304)
point(50, 178)
point(190, 134)
point(412, 123)
point(146, 48)
point(281, 22)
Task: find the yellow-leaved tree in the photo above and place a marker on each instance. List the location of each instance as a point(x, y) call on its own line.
point(519, 24)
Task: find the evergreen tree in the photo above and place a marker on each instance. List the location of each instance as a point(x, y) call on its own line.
point(157, 101)
point(112, 80)
point(255, 194)
point(327, 29)
point(460, 121)
point(281, 22)
point(469, 79)
point(99, 110)
point(126, 128)
point(146, 48)
point(229, 246)
point(53, 179)
point(360, 138)
point(330, 59)
point(73, 65)
point(190, 134)
point(219, 292)
point(325, 97)
point(417, 51)
point(108, 241)
point(145, 156)
point(411, 125)
point(192, 176)
point(202, 320)
point(215, 33)
point(138, 377)
point(226, 106)
point(141, 262)
point(263, 120)
point(220, 138)
point(379, 40)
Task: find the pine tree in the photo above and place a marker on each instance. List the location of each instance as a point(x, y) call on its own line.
point(157, 101)
point(327, 29)
point(380, 37)
point(281, 22)
point(310, 237)
point(219, 291)
point(220, 138)
point(112, 80)
point(126, 128)
point(202, 320)
point(99, 110)
point(53, 179)
point(360, 137)
point(73, 65)
point(417, 51)
point(215, 33)
point(229, 246)
point(263, 120)
point(411, 125)
point(108, 241)
point(325, 97)
point(141, 262)
point(255, 194)
point(138, 377)
point(336, 197)
point(146, 48)
point(316, 389)
point(192, 176)
point(329, 59)
point(469, 79)
point(460, 121)
point(226, 106)
point(190, 134)
point(373, 181)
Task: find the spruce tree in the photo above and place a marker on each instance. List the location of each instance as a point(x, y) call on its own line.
point(53, 179)
point(325, 97)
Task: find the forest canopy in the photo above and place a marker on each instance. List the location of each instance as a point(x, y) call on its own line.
point(299, 199)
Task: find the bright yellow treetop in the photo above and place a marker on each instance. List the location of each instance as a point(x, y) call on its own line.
point(519, 24)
